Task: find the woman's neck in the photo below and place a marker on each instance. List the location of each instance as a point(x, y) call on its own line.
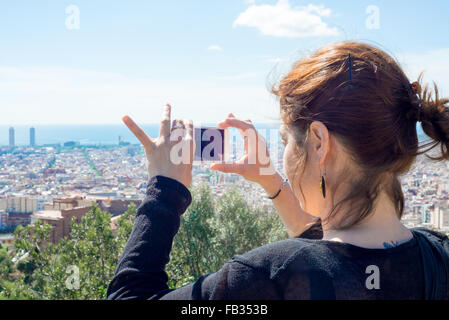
point(382, 229)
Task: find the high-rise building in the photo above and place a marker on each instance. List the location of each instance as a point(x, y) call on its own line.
point(11, 137)
point(21, 204)
point(3, 220)
point(32, 137)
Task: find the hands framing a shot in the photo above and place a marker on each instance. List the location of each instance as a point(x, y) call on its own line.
point(163, 152)
point(164, 159)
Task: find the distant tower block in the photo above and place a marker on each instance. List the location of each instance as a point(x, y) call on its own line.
point(120, 140)
point(12, 141)
point(32, 137)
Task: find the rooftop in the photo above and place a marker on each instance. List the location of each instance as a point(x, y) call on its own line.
point(48, 214)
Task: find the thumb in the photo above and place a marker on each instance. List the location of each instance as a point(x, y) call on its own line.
point(227, 168)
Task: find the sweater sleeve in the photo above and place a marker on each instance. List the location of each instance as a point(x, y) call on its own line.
point(140, 273)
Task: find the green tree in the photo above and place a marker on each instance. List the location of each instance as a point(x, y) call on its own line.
point(211, 232)
point(78, 267)
point(9, 279)
point(125, 225)
point(193, 247)
point(33, 248)
point(241, 228)
point(94, 250)
point(82, 265)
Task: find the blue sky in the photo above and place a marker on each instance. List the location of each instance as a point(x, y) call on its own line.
point(207, 58)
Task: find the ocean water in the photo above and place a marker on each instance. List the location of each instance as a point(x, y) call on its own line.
point(96, 134)
point(84, 134)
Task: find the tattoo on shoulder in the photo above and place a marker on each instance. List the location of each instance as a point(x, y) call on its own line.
point(392, 244)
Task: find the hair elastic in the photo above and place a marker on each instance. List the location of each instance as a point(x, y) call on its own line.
point(416, 88)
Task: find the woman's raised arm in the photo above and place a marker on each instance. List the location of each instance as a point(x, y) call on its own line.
point(256, 166)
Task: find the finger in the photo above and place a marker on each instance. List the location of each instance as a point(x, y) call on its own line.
point(165, 122)
point(221, 124)
point(246, 130)
point(228, 167)
point(177, 131)
point(189, 136)
point(188, 124)
point(176, 124)
point(235, 123)
point(144, 139)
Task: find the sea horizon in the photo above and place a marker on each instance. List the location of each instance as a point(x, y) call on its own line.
point(101, 134)
point(86, 134)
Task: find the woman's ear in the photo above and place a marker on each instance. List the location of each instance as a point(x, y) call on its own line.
point(320, 141)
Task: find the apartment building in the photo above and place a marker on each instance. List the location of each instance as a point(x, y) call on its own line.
point(440, 217)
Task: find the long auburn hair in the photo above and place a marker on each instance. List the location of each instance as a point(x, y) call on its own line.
point(363, 97)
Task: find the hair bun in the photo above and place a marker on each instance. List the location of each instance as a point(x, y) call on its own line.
point(416, 87)
point(435, 112)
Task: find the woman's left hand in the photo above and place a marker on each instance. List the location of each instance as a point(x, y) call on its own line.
point(255, 165)
point(163, 152)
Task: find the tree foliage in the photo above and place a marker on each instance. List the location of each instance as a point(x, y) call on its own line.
point(212, 232)
point(82, 265)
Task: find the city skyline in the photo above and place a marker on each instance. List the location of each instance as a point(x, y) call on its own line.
point(12, 139)
point(89, 134)
point(32, 137)
point(33, 179)
point(100, 134)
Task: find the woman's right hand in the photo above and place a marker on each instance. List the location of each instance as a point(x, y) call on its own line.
point(255, 165)
point(159, 154)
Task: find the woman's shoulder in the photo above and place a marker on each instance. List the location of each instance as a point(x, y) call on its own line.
point(433, 234)
point(274, 257)
point(436, 237)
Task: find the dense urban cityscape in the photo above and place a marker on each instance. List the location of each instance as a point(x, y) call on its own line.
point(54, 183)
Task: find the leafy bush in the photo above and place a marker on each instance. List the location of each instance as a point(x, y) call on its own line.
point(81, 266)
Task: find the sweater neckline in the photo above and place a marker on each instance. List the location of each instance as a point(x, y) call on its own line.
point(405, 245)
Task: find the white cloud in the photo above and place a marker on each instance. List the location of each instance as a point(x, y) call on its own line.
point(215, 47)
point(319, 10)
point(281, 20)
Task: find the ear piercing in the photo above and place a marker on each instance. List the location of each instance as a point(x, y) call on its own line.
point(323, 184)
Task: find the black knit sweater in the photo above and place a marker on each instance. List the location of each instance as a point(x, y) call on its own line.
point(299, 268)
